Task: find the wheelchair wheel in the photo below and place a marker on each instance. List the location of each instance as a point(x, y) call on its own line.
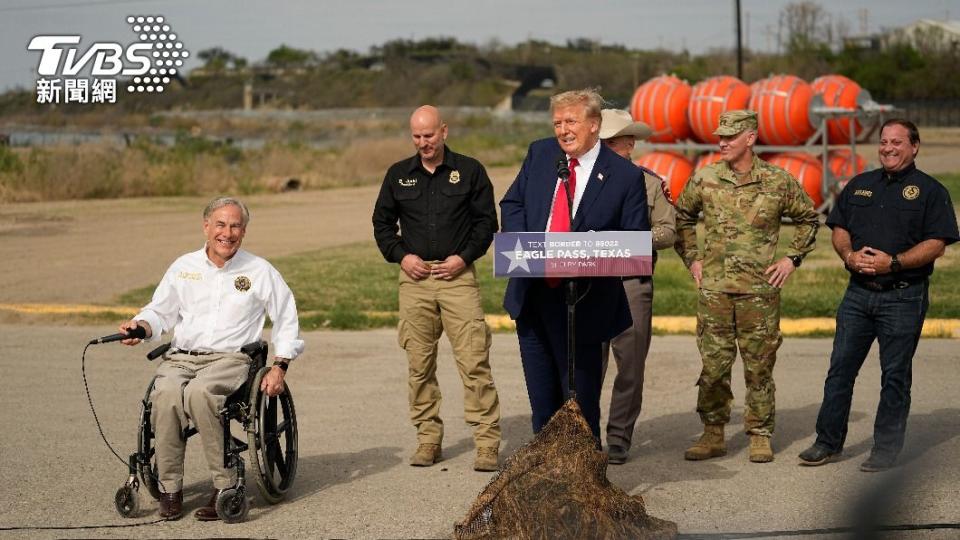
point(272, 437)
point(148, 467)
point(232, 505)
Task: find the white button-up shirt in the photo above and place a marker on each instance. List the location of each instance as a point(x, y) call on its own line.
point(223, 309)
point(583, 170)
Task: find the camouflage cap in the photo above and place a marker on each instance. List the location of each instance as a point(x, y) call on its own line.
point(733, 122)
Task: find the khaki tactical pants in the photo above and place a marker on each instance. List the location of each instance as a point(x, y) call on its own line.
point(194, 389)
point(427, 308)
point(630, 353)
point(752, 322)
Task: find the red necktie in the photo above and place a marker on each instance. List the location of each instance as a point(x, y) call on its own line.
point(560, 219)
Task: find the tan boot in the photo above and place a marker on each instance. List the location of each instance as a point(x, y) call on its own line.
point(487, 459)
point(426, 455)
point(710, 445)
point(760, 450)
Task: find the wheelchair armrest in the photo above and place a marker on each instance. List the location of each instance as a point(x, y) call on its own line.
point(158, 352)
point(256, 350)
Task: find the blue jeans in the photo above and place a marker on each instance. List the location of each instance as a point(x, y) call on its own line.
point(895, 319)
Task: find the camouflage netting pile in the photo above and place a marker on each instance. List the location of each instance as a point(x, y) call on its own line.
point(556, 487)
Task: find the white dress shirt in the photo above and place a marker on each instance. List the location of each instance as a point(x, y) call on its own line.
point(223, 309)
point(583, 171)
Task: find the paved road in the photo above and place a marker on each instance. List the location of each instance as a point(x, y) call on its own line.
point(353, 480)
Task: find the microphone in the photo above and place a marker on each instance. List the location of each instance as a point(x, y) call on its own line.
point(138, 332)
point(563, 171)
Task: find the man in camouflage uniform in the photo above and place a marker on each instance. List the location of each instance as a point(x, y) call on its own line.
point(742, 199)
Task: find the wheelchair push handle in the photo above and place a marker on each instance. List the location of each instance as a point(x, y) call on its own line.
point(158, 352)
point(134, 333)
point(255, 350)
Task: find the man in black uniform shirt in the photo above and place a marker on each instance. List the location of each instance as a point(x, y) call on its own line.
point(889, 225)
point(443, 202)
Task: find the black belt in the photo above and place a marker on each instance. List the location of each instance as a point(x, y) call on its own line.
point(192, 353)
point(890, 285)
point(643, 279)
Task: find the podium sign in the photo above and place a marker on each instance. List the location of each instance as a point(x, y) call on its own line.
point(573, 254)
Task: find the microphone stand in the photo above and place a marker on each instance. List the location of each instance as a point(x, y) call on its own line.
point(571, 296)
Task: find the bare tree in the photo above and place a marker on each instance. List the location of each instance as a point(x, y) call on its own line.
point(805, 24)
point(808, 27)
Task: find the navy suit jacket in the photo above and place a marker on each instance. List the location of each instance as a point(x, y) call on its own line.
point(615, 199)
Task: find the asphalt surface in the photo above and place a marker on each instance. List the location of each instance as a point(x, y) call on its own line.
point(354, 482)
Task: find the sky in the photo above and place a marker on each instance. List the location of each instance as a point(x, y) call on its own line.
point(251, 29)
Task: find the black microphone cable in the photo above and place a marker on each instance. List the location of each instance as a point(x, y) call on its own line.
point(86, 387)
point(96, 419)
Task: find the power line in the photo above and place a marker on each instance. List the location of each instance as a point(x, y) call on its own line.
point(73, 5)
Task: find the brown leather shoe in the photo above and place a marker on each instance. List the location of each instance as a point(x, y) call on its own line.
point(171, 505)
point(208, 512)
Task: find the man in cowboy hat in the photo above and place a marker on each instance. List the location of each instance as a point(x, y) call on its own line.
point(620, 133)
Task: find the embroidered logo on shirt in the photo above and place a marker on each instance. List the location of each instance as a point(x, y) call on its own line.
point(242, 283)
point(407, 182)
point(863, 193)
point(194, 276)
point(911, 192)
point(454, 177)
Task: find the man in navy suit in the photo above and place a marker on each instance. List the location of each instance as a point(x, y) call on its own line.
point(609, 196)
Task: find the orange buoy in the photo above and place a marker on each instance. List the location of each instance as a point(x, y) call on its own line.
point(839, 91)
point(705, 159)
point(661, 103)
point(843, 167)
point(671, 166)
point(782, 103)
point(806, 169)
point(711, 97)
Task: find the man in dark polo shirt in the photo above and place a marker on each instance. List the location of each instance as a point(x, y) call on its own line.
point(889, 225)
point(443, 202)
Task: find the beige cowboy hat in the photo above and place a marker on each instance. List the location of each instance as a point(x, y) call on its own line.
point(616, 123)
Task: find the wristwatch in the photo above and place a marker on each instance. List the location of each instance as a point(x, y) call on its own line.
point(895, 265)
point(282, 364)
point(797, 260)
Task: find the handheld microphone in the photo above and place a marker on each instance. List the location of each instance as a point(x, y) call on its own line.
point(138, 333)
point(563, 171)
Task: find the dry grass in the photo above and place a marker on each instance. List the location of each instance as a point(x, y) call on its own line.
point(144, 169)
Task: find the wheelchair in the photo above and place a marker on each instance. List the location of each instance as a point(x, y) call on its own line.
point(270, 425)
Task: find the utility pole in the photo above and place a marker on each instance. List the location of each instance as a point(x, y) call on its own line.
point(736, 4)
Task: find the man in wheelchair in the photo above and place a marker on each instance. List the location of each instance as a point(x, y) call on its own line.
point(217, 299)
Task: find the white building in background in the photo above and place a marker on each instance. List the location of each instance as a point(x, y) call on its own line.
point(925, 35)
